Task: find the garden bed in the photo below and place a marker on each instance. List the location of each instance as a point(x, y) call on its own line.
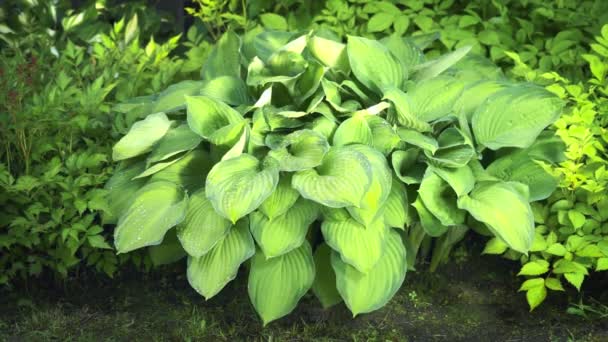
point(464, 301)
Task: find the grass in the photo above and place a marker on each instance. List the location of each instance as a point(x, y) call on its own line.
point(472, 301)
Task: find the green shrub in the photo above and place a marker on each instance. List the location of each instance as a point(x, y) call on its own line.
point(293, 143)
point(571, 238)
point(57, 125)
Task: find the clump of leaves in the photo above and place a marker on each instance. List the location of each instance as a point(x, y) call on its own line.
point(571, 238)
point(305, 156)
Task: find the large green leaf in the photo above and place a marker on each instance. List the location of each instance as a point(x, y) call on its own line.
point(286, 232)
point(224, 59)
point(214, 120)
point(418, 139)
point(434, 98)
point(504, 210)
point(354, 130)
point(203, 227)
point(168, 252)
point(142, 136)
point(515, 116)
point(379, 189)
point(156, 208)
point(407, 166)
point(396, 208)
point(430, 224)
point(475, 94)
point(374, 65)
point(300, 150)
point(520, 167)
point(229, 89)
point(283, 198)
point(276, 285)
point(174, 97)
point(189, 171)
point(122, 189)
point(366, 292)
point(341, 180)
point(239, 185)
point(460, 179)
point(437, 66)
point(408, 54)
point(439, 198)
point(455, 149)
point(209, 273)
point(358, 245)
point(330, 53)
point(384, 137)
point(324, 286)
point(176, 140)
point(404, 108)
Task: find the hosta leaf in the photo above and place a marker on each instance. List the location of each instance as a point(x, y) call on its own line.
point(418, 139)
point(366, 292)
point(506, 213)
point(203, 227)
point(268, 42)
point(384, 137)
point(189, 171)
point(168, 252)
point(240, 185)
point(142, 136)
point(341, 180)
point(460, 179)
point(229, 89)
point(308, 83)
point(475, 94)
point(213, 120)
point(174, 97)
point(435, 67)
point(425, 101)
point(283, 197)
point(408, 54)
point(379, 189)
point(358, 245)
point(156, 208)
point(122, 189)
point(515, 116)
point(300, 150)
point(406, 166)
point(330, 53)
point(455, 149)
point(284, 233)
point(159, 166)
point(354, 130)
point(396, 208)
point(224, 59)
point(439, 198)
point(176, 140)
point(324, 286)
point(406, 116)
point(276, 285)
point(431, 225)
point(209, 273)
point(374, 65)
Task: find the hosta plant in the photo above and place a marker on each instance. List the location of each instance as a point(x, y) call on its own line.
point(323, 162)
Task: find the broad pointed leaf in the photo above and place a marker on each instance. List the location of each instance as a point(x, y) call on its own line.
point(156, 208)
point(324, 286)
point(504, 211)
point(300, 150)
point(141, 137)
point(276, 285)
point(203, 227)
point(240, 185)
point(209, 273)
point(366, 292)
point(214, 120)
point(358, 245)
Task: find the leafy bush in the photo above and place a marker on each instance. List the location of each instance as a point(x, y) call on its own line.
point(56, 123)
point(571, 238)
point(549, 35)
point(292, 143)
